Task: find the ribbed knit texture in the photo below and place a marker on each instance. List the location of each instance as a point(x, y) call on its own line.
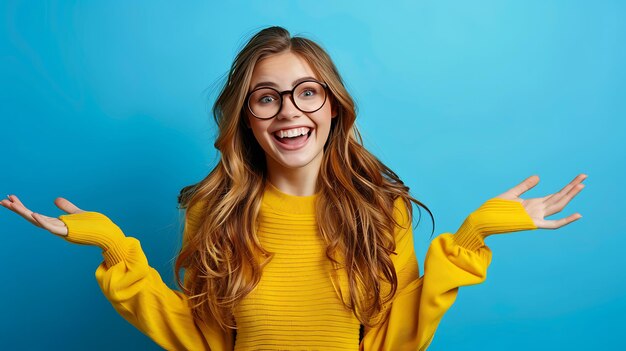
point(492, 217)
point(295, 306)
point(87, 228)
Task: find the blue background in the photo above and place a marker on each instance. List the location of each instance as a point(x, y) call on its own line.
point(107, 104)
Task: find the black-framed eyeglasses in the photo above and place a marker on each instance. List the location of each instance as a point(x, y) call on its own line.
point(308, 96)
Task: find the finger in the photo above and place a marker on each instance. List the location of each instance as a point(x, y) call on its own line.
point(557, 196)
point(66, 205)
point(522, 187)
point(545, 198)
point(5, 202)
point(53, 225)
point(558, 223)
point(15, 205)
point(15, 199)
point(555, 207)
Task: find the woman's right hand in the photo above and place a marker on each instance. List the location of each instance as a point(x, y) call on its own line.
point(51, 224)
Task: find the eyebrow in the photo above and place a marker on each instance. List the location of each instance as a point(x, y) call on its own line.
point(274, 85)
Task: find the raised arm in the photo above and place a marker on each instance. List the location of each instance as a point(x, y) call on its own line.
point(135, 289)
point(456, 260)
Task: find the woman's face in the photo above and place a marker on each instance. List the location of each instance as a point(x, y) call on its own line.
point(285, 154)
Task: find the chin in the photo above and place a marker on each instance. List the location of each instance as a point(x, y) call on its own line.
point(296, 162)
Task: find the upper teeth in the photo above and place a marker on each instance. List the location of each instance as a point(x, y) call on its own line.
point(292, 132)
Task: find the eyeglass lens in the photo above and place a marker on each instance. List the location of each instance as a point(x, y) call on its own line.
point(307, 96)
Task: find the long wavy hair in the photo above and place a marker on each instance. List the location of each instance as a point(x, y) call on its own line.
point(221, 254)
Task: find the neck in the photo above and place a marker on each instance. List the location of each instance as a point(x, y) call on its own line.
point(301, 181)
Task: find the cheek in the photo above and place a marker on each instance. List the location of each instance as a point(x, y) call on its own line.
point(325, 118)
point(257, 135)
point(259, 130)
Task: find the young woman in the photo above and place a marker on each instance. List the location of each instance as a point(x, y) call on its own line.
point(299, 238)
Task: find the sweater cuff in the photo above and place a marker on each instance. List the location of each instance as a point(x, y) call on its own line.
point(93, 228)
point(493, 217)
point(468, 237)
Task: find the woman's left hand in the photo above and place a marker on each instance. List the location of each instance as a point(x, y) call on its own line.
point(538, 208)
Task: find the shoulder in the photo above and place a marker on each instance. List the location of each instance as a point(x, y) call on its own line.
point(401, 212)
point(196, 209)
point(403, 236)
point(194, 215)
point(403, 230)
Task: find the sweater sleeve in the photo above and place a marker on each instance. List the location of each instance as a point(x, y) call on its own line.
point(137, 291)
point(452, 261)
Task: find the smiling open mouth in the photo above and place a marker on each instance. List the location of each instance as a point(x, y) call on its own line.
point(293, 138)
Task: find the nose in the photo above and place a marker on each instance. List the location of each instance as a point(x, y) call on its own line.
point(288, 109)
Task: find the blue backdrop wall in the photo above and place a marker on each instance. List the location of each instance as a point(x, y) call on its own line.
point(107, 104)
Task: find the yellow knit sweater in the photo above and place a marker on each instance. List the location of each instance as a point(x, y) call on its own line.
point(295, 306)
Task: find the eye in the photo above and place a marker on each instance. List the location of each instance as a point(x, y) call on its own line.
point(308, 92)
point(266, 99)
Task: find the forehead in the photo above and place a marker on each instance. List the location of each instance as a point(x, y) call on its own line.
point(281, 69)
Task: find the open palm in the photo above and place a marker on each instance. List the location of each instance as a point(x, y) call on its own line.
point(51, 224)
point(537, 208)
point(541, 207)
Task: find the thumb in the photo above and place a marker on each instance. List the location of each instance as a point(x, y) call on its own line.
point(516, 191)
point(67, 206)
